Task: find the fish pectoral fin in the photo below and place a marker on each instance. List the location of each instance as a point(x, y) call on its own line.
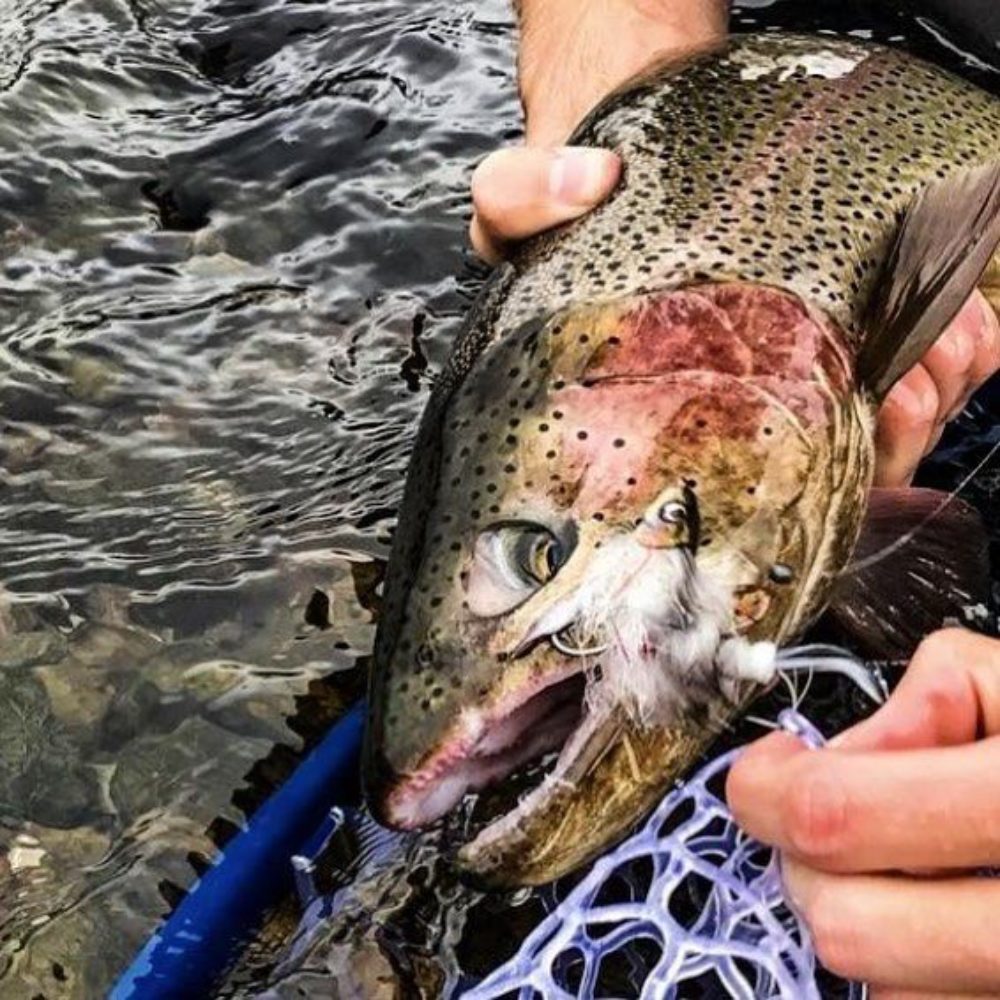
point(944, 243)
point(922, 562)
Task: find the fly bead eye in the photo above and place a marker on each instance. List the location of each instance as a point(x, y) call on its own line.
point(673, 512)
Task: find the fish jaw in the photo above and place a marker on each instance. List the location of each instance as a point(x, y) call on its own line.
point(565, 823)
point(482, 746)
point(611, 770)
point(695, 670)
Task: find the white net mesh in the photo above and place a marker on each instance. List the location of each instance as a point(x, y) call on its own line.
point(687, 899)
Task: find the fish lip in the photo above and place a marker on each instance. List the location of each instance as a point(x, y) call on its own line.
point(408, 802)
point(585, 746)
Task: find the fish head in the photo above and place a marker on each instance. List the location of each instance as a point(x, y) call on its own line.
point(629, 498)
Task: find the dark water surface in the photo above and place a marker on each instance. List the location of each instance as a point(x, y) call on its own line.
point(232, 256)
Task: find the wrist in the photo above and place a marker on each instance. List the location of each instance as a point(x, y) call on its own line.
point(573, 52)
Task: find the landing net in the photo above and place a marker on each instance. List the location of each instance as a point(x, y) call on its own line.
point(688, 905)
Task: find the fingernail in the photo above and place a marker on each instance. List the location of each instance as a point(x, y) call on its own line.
point(902, 396)
point(582, 177)
point(991, 321)
point(960, 346)
point(792, 897)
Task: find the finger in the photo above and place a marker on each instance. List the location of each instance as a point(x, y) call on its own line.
point(949, 695)
point(986, 360)
point(906, 422)
point(845, 811)
point(518, 192)
point(964, 356)
point(910, 934)
point(949, 360)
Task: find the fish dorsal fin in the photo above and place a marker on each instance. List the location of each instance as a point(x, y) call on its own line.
point(921, 561)
point(945, 241)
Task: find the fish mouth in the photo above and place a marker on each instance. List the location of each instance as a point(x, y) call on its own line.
point(486, 747)
point(562, 727)
point(565, 715)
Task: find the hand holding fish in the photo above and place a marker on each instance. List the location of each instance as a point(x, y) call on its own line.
point(569, 59)
point(914, 789)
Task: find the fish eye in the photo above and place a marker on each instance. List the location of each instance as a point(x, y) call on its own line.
point(673, 512)
point(511, 562)
point(538, 556)
point(533, 553)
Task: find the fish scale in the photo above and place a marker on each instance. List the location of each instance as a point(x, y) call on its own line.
point(743, 166)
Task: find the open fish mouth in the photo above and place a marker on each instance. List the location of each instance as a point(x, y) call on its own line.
point(637, 644)
point(526, 755)
point(487, 747)
point(547, 735)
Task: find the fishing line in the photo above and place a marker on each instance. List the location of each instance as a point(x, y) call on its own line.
point(758, 720)
point(877, 557)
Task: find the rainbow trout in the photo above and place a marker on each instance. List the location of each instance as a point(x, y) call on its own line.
point(648, 463)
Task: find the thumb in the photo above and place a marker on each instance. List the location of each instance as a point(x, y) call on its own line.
point(519, 192)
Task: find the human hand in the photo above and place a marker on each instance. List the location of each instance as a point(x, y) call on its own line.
point(914, 789)
point(573, 54)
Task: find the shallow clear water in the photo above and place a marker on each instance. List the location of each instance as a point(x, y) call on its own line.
point(232, 256)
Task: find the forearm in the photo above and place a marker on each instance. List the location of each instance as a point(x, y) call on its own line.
point(598, 44)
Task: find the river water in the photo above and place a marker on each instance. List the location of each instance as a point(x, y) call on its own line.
point(232, 257)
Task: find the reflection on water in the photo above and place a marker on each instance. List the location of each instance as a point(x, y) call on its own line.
point(229, 238)
point(229, 235)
